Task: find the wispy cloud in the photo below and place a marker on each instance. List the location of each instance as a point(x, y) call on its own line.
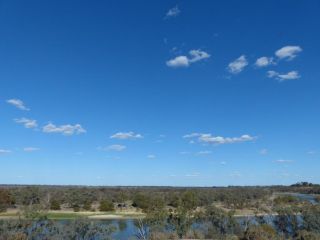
point(31, 149)
point(288, 52)
point(28, 123)
point(210, 139)
point(284, 77)
point(223, 163)
point(115, 147)
point(238, 65)
point(126, 135)
point(185, 61)
point(195, 174)
point(235, 174)
point(311, 152)
point(4, 151)
point(206, 152)
point(263, 151)
point(264, 62)
point(67, 129)
point(151, 156)
point(173, 12)
point(283, 161)
point(18, 104)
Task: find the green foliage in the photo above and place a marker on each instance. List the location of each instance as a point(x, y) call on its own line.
point(55, 205)
point(80, 229)
point(311, 218)
point(5, 199)
point(260, 232)
point(141, 201)
point(106, 205)
point(34, 212)
point(286, 221)
point(286, 200)
point(30, 196)
point(305, 235)
point(189, 200)
point(87, 206)
point(222, 223)
point(76, 208)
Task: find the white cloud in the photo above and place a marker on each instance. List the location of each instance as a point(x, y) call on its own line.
point(151, 156)
point(184, 61)
point(173, 12)
point(4, 151)
point(311, 152)
point(18, 103)
point(198, 55)
point(283, 161)
point(263, 151)
point(115, 147)
point(264, 61)
point(184, 152)
point(238, 65)
point(67, 129)
point(288, 52)
point(223, 163)
point(235, 174)
point(203, 152)
point(196, 174)
point(31, 149)
point(192, 135)
point(284, 77)
point(126, 135)
point(208, 138)
point(180, 61)
point(28, 123)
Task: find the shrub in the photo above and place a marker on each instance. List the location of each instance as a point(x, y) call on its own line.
point(55, 205)
point(106, 205)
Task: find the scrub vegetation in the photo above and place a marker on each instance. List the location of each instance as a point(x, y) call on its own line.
point(245, 213)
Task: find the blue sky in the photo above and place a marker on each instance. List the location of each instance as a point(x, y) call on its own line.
point(182, 93)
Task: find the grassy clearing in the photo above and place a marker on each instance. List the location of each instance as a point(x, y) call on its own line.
point(67, 215)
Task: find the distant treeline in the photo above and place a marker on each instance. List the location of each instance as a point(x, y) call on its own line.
point(81, 197)
point(170, 212)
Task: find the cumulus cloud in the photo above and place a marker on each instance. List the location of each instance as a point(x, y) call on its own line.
point(284, 77)
point(210, 139)
point(173, 12)
point(67, 129)
point(4, 151)
point(185, 61)
point(264, 61)
point(180, 61)
point(115, 147)
point(126, 135)
point(31, 149)
point(28, 123)
point(288, 52)
point(18, 104)
point(238, 65)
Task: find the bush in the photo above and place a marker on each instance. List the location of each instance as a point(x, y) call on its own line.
point(5, 199)
point(106, 205)
point(87, 206)
point(55, 205)
point(76, 208)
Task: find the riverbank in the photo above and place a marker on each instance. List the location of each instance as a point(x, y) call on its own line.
point(69, 215)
